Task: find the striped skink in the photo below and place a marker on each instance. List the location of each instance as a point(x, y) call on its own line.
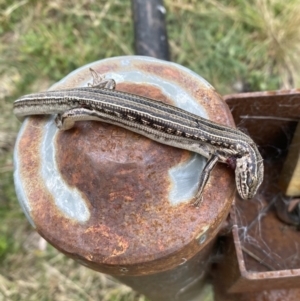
point(156, 120)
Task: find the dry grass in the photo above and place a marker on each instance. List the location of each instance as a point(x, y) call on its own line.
point(256, 42)
point(39, 272)
point(234, 44)
point(276, 32)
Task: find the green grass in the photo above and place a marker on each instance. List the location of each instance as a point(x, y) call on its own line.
point(236, 45)
point(254, 42)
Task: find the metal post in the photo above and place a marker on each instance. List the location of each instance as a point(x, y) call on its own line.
point(150, 32)
point(118, 202)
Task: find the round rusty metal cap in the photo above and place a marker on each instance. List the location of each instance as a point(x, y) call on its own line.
point(114, 200)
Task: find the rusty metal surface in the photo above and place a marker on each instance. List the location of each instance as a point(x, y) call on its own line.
point(270, 118)
point(272, 295)
point(263, 252)
point(186, 280)
point(121, 220)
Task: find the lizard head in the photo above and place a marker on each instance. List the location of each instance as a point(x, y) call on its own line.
point(249, 173)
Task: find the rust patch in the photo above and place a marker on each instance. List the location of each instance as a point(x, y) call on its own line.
point(29, 162)
point(127, 193)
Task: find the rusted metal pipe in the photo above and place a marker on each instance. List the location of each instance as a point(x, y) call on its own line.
point(118, 202)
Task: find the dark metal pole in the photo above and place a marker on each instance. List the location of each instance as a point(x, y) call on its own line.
point(150, 32)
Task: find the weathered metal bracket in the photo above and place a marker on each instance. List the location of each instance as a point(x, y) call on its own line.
point(262, 252)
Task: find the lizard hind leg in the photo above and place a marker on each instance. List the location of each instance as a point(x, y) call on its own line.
point(100, 82)
point(210, 164)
